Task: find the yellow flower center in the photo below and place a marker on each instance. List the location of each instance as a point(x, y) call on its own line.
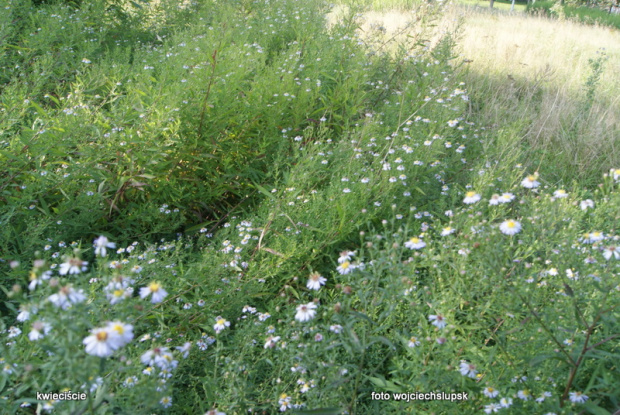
point(470, 194)
point(154, 287)
point(102, 336)
point(221, 322)
point(118, 293)
point(118, 328)
point(511, 224)
point(414, 240)
point(345, 264)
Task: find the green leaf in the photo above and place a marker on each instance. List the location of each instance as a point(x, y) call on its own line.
point(37, 107)
point(595, 409)
point(362, 315)
point(264, 191)
point(541, 358)
point(381, 339)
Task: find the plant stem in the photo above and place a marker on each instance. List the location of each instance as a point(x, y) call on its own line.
point(204, 102)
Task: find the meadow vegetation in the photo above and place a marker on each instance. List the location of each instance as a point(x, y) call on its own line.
point(282, 206)
point(594, 15)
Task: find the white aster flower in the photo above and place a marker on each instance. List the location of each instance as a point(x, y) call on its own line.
point(72, 266)
point(25, 310)
point(505, 402)
point(185, 349)
point(305, 312)
point(586, 204)
point(492, 408)
point(415, 243)
point(611, 251)
point(315, 281)
point(438, 320)
point(490, 392)
point(543, 396)
point(160, 357)
point(121, 333)
point(413, 342)
point(345, 268)
point(284, 402)
point(506, 197)
point(14, 332)
point(495, 200)
point(335, 328)
point(100, 343)
point(248, 309)
point(116, 292)
point(524, 394)
point(560, 194)
point(577, 397)
point(101, 244)
point(166, 401)
point(448, 230)
point(471, 197)
point(130, 382)
point(39, 330)
point(66, 296)
point(530, 182)
point(510, 227)
point(592, 237)
point(156, 289)
point(467, 369)
point(345, 256)
point(220, 324)
point(271, 342)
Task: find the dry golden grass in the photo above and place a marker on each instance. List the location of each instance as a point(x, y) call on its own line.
point(532, 72)
point(523, 45)
point(529, 74)
point(389, 27)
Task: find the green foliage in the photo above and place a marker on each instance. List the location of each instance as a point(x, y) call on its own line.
point(587, 15)
point(271, 150)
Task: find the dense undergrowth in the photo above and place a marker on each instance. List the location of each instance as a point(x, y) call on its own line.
point(292, 220)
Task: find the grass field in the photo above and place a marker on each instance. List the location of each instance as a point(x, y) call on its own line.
point(286, 206)
point(538, 76)
point(542, 76)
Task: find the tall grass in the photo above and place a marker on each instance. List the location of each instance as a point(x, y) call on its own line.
point(535, 75)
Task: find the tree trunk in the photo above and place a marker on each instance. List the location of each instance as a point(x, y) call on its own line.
point(491, 3)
